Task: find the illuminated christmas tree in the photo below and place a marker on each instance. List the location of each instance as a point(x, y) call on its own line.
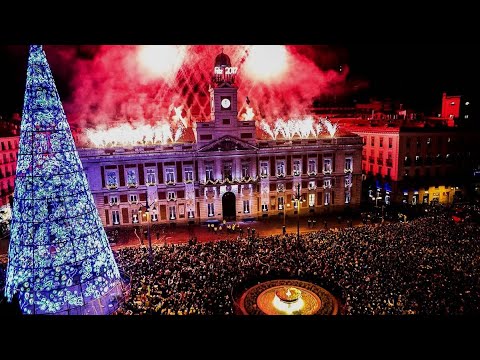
point(60, 261)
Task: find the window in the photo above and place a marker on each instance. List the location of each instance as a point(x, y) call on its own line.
point(449, 139)
point(372, 141)
point(188, 174)
point(327, 183)
point(211, 210)
point(380, 170)
point(280, 168)
point(133, 198)
point(170, 175)
point(190, 214)
point(154, 215)
point(280, 187)
point(419, 142)
point(364, 140)
point(429, 141)
point(381, 141)
point(114, 200)
point(390, 143)
point(112, 181)
point(264, 169)
point(348, 197)
point(115, 217)
point(227, 171)
point(296, 167)
point(312, 185)
point(134, 217)
point(348, 164)
point(371, 169)
point(348, 180)
point(387, 199)
point(209, 172)
point(264, 207)
point(389, 171)
point(245, 170)
point(151, 177)
point(172, 211)
point(246, 206)
point(406, 172)
point(226, 121)
point(327, 165)
point(171, 195)
point(131, 177)
point(312, 167)
point(327, 198)
point(311, 199)
point(408, 143)
point(280, 203)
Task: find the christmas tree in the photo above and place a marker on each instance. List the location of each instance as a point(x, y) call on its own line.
point(60, 261)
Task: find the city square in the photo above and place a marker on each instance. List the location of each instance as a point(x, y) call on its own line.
point(222, 184)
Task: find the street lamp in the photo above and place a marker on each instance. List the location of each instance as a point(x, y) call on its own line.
point(298, 199)
point(147, 213)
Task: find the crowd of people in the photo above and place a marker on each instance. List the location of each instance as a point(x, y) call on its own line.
point(427, 266)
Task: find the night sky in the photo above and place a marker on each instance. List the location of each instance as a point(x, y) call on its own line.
point(414, 74)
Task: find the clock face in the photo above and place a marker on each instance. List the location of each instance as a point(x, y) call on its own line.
point(225, 103)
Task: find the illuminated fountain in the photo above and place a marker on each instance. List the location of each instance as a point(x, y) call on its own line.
point(288, 300)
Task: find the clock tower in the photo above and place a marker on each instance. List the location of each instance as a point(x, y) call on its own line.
point(223, 106)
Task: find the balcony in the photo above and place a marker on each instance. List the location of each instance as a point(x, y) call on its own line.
point(296, 172)
point(312, 174)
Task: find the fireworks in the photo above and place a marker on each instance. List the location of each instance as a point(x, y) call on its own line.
point(300, 128)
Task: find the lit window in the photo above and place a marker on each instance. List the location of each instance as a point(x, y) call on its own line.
point(170, 175)
point(327, 198)
point(390, 143)
point(381, 142)
point(348, 164)
point(312, 185)
point(467, 103)
point(227, 171)
point(296, 167)
point(280, 203)
point(348, 180)
point(327, 183)
point(134, 217)
point(245, 170)
point(190, 214)
point(311, 199)
point(209, 172)
point(133, 198)
point(280, 187)
point(111, 179)
point(312, 167)
point(372, 141)
point(348, 197)
point(154, 215)
point(131, 177)
point(172, 210)
point(263, 169)
point(188, 174)
point(264, 207)
point(327, 165)
point(211, 211)
point(280, 168)
point(116, 217)
point(452, 103)
point(171, 195)
point(113, 200)
point(151, 177)
point(246, 206)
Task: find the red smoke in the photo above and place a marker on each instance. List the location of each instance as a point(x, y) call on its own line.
point(109, 87)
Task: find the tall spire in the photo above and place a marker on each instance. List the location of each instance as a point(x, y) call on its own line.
point(60, 261)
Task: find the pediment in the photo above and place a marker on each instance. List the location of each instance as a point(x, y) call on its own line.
point(227, 143)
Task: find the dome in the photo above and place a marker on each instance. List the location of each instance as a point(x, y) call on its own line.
point(222, 60)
